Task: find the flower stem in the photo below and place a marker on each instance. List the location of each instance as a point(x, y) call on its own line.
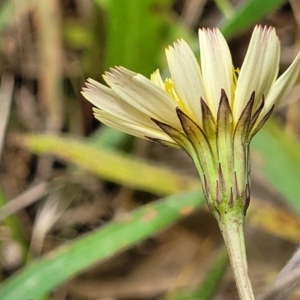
point(232, 228)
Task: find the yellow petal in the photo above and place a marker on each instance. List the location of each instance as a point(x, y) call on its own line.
point(142, 94)
point(107, 100)
point(130, 127)
point(185, 74)
point(216, 67)
point(281, 87)
point(156, 79)
point(259, 69)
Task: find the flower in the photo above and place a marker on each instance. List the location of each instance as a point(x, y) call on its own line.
point(209, 109)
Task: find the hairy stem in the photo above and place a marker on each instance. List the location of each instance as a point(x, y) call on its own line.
point(232, 228)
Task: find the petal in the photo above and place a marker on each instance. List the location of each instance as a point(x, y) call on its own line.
point(259, 69)
point(281, 87)
point(185, 74)
point(142, 94)
point(131, 128)
point(156, 79)
point(216, 67)
point(107, 100)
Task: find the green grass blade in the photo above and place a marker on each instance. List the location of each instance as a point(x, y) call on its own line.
point(63, 263)
point(130, 25)
point(212, 279)
point(279, 157)
point(7, 9)
point(107, 137)
point(112, 165)
point(247, 15)
point(226, 8)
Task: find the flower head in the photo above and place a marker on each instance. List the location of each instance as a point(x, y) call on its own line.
point(209, 108)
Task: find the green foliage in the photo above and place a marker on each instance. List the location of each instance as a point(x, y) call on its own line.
point(63, 263)
point(248, 14)
point(136, 33)
point(279, 157)
point(6, 10)
point(209, 285)
point(112, 165)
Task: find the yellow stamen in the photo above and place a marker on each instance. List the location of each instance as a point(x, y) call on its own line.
point(169, 88)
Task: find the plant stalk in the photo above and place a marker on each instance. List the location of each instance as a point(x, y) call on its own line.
point(232, 228)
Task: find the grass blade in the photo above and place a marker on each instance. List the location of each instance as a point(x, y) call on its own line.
point(111, 164)
point(279, 157)
point(63, 263)
point(247, 15)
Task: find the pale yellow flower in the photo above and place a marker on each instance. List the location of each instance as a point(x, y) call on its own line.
point(132, 100)
point(212, 111)
point(208, 108)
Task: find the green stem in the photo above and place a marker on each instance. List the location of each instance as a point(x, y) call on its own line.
point(232, 228)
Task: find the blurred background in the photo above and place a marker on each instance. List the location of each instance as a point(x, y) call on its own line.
point(63, 175)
